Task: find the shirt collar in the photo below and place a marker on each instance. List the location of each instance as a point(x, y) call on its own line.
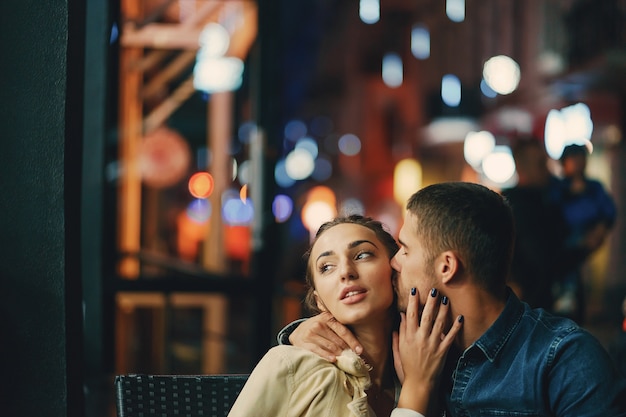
point(492, 341)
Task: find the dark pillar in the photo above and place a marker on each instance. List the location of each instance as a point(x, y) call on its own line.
point(41, 116)
point(267, 61)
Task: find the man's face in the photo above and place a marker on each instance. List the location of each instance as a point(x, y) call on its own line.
point(410, 262)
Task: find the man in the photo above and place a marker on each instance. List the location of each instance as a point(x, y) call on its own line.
point(511, 360)
point(539, 259)
point(590, 213)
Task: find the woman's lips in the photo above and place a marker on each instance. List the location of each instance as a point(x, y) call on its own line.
point(354, 296)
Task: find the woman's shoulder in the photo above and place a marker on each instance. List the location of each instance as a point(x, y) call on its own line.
point(297, 357)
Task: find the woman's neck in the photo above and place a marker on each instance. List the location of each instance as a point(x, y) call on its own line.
point(375, 353)
point(375, 338)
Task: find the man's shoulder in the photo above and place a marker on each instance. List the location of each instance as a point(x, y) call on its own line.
point(555, 332)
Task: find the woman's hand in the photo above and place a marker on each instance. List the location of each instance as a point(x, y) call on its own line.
point(421, 348)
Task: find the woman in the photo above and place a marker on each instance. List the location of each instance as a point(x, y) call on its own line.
point(349, 275)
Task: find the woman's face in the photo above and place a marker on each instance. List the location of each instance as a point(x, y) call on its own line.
point(351, 274)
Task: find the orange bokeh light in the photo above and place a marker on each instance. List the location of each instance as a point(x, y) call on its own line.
point(201, 184)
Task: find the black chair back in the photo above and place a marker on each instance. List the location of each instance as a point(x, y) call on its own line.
point(176, 395)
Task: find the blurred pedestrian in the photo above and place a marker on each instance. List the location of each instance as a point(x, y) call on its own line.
point(590, 213)
point(540, 227)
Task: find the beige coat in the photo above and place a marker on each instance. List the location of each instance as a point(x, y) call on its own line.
point(293, 382)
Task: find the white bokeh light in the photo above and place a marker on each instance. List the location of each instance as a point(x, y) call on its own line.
point(369, 11)
point(571, 125)
point(554, 134)
point(451, 90)
point(502, 74)
point(214, 40)
point(392, 70)
point(455, 10)
point(476, 146)
point(309, 145)
point(499, 165)
point(299, 164)
point(420, 42)
point(213, 75)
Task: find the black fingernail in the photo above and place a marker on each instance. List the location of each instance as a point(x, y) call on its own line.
point(413, 291)
point(460, 319)
point(433, 292)
point(444, 300)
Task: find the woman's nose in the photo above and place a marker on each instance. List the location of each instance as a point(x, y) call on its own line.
point(348, 271)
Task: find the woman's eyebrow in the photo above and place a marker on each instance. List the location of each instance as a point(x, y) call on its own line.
point(351, 245)
point(360, 242)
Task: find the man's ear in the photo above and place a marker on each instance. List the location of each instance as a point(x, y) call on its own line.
point(447, 266)
point(319, 302)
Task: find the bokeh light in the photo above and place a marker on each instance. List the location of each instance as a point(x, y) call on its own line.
point(476, 146)
point(320, 206)
point(213, 75)
point(282, 208)
point(294, 130)
point(299, 164)
point(352, 206)
point(322, 193)
point(349, 144)
point(407, 179)
point(323, 169)
point(214, 40)
point(486, 90)
point(502, 74)
point(451, 90)
point(199, 210)
point(499, 165)
point(315, 213)
point(420, 42)
point(455, 10)
point(246, 131)
point(369, 11)
point(392, 70)
point(201, 184)
point(236, 212)
point(280, 175)
point(570, 125)
point(244, 172)
point(309, 145)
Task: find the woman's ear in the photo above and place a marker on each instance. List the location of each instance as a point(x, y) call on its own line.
point(447, 266)
point(319, 302)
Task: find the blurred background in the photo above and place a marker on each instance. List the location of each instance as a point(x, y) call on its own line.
point(217, 135)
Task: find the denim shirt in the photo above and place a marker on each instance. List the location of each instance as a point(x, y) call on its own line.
point(530, 363)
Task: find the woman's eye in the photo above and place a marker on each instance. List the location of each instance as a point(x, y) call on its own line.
point(362, 255)
point(324, 268)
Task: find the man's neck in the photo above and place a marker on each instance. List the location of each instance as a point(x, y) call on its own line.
point(480, 310)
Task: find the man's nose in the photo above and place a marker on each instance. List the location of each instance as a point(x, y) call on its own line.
point(395, 264)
